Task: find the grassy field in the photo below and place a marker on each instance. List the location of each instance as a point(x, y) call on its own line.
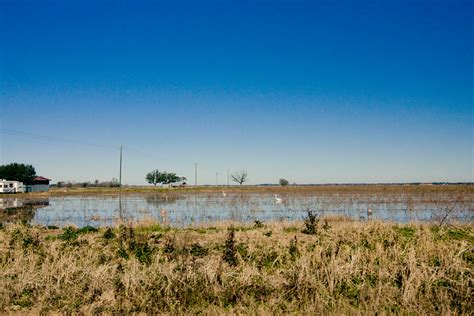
point(328, 266)
point(465, 189)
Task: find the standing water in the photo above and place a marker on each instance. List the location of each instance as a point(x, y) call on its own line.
point(189, 209)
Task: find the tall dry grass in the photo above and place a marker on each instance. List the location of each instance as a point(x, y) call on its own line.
point(341, 267)
point(431, 191)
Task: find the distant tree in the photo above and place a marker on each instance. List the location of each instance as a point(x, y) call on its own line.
point(17, 172)
point(239, 176)
point(154, 177)
point(172, 177)
point(284, 182)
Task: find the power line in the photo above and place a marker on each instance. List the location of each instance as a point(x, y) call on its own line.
point(49, 138)
point(34, 138)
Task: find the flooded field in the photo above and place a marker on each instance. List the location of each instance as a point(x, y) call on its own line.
point(183, 209)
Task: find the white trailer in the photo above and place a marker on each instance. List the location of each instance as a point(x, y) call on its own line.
point(7, 186)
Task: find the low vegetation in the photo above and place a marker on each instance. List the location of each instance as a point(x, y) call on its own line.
point(404, 193)
point(321, 265)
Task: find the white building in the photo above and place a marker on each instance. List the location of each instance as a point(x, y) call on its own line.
point(11, 186)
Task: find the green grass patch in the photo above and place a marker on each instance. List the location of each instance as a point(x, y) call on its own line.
point(452, 233)
point(406, 232)
point(460, 234)
point(198, 251)
point(152, 229)
point(291, 229)
point(24, 299)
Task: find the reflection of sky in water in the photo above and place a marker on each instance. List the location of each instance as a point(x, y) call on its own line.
point(207, 208)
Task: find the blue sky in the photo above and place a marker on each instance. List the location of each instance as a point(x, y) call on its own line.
point(312, 91)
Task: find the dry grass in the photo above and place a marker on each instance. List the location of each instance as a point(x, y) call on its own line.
point(345, 267)
point(429, 190)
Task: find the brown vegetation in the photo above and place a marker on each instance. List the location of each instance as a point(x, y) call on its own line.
point(320, 266)
point(375, 189)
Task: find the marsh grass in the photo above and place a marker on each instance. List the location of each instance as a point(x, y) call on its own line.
point(344, 267)
point(408, 191)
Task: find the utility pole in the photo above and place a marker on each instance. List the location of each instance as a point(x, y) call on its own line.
point(227, 177)
point(120, 174)
point(217, 176)
point(195, 174)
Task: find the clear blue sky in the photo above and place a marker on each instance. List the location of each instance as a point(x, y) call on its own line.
point(312, 91)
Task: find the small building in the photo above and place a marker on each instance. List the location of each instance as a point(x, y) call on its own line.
point(38, 184)
point(178, 184)
point(10, 186)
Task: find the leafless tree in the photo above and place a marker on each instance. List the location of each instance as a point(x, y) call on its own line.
point(451, 206)
point(239, 176)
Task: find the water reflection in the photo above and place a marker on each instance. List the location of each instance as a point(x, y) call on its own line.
point(20, 210)
point(158, 201)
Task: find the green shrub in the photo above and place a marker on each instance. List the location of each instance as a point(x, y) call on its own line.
point(143, 253)
point(310, 223)
point(268, 233)
point(293, 248)
point(69, 233)
point(87, 229)
point(198, 251)
point(108, 234)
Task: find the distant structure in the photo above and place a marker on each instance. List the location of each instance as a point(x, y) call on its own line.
point(38, 184)
point(179, 184)
point(11, 186)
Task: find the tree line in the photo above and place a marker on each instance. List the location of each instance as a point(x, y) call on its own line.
point(18, 172)
point(26, 173)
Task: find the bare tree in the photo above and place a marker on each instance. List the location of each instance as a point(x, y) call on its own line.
point(239, 176)
point(451, 206)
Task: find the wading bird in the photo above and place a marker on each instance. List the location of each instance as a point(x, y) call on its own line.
point(164, 216)
point(277, 199)
point(224, 194)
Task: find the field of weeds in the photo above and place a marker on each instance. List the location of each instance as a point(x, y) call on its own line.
point(318, 266)
point(378, 189)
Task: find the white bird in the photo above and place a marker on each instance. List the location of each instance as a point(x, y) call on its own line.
point(164, 216)
point(277, 199)
point(224, 194)
point(369, 213)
